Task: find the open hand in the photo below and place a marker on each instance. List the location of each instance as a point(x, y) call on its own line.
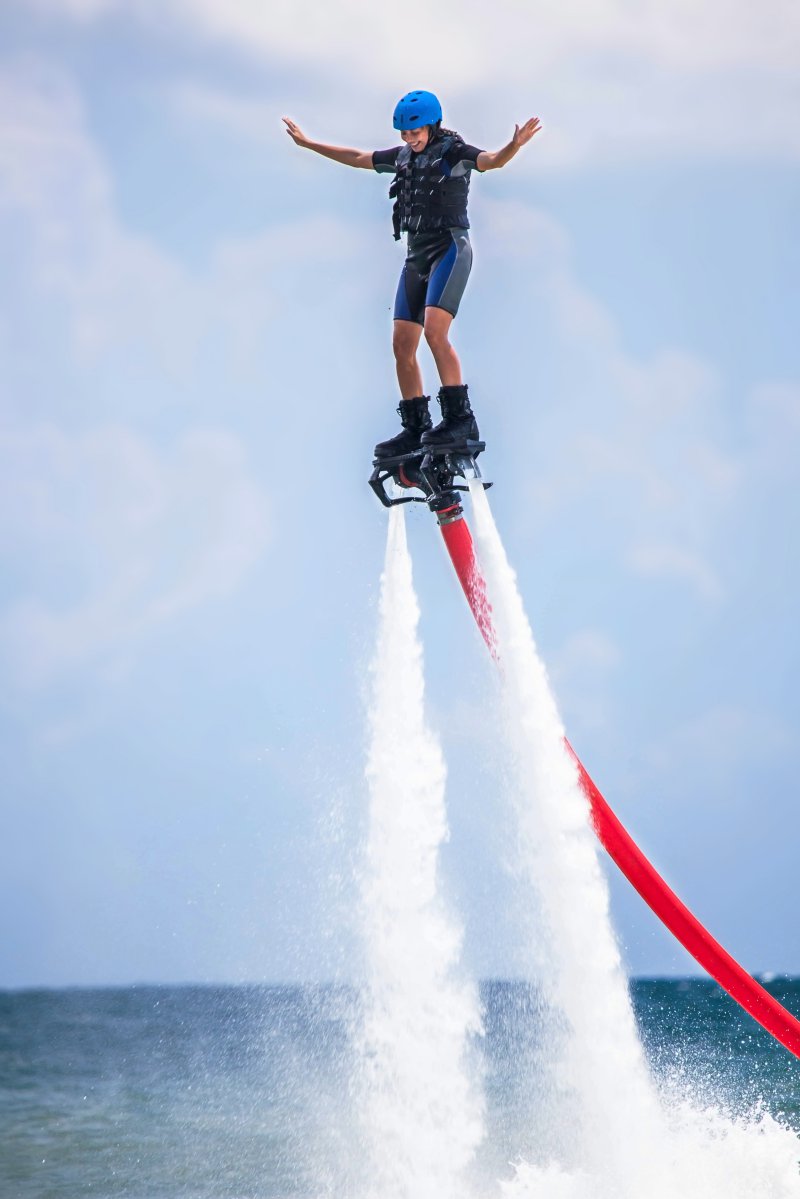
point(295, 132)
point(524, 133)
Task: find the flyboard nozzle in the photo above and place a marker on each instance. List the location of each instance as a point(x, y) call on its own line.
point(447, 507)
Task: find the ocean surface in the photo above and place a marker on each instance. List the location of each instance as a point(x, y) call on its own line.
point(248, 1092)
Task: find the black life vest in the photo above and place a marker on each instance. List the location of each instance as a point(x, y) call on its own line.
point(426, 196)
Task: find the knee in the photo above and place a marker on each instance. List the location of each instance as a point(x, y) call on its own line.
point(405, 347)
point(437, 339)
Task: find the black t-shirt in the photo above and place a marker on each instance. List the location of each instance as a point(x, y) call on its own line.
point(459, 157)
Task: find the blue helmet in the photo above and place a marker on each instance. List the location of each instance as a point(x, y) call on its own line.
point(416, 109)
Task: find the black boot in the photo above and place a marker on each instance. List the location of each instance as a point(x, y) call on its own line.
point(415, 419)
point(458, 424)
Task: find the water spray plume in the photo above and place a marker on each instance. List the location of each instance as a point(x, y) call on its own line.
point(420, 1099)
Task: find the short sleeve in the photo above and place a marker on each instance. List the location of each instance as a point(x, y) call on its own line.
point(384, 161)
point(462, 158)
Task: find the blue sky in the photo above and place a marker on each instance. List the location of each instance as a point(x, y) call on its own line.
point(195, 319)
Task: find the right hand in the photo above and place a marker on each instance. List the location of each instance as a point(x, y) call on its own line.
point(295, 132)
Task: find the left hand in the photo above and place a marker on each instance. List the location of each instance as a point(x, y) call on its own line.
point(295, 132)
point(524, 133)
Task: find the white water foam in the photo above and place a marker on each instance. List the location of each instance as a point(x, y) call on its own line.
point(624, 1139)
point(704, 1155)
point(419, 1088)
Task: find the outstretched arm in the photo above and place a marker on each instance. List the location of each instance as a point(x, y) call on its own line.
point(487, 161)
point(350, 158)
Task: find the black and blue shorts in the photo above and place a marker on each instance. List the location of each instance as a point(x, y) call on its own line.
point(434, 275)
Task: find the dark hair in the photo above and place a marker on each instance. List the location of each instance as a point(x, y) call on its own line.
point(438, 131)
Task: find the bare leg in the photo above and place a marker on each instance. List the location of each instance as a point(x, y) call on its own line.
point(437, 329)
point(404, 343)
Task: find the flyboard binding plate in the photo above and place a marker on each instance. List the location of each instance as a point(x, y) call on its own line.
point(434, 473)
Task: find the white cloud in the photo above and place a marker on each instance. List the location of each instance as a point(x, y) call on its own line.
point(589, 650)
point(583, 671)
point(210, 108)
point(612, 80)
point(117, 286)
point(353, 38)
point(664, 561)
point(648, 439)
point(718, 744)
point(773, 427)
point(118, 540)
point(120, 289)
point(79, 10)
point(679, 33)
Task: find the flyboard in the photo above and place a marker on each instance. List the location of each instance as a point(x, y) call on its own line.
point(436, 476)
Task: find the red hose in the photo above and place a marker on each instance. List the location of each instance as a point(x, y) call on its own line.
point(458, 540)
point(621, 847)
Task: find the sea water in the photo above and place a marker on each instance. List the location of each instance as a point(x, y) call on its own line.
point(245, 1092)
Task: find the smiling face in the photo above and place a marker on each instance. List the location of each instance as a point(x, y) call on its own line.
point(417, 139)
